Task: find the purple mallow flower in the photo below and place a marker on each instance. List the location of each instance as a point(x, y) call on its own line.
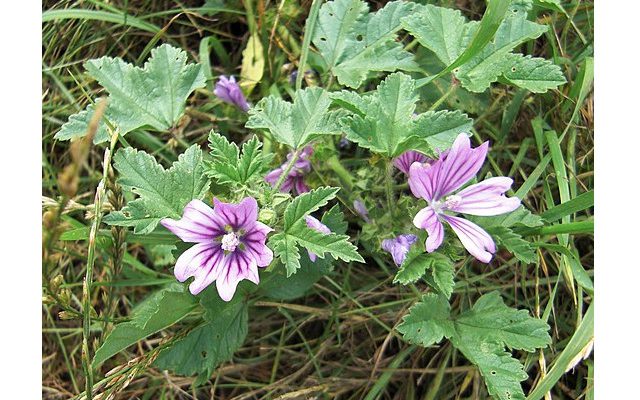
point(403, 162)
point(399, 246)
point(361, 210)
point(316, 225)
point(230, 245)
point(229, 91)
point(437, 182)
point(295, 179)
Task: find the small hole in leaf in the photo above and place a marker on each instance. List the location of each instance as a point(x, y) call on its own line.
point(493, 372)
point(203, 354)
point(456, 70)
point(323, 39)
point(513, 69)
point(419, 330)
point(331, 14)
point(359, 38)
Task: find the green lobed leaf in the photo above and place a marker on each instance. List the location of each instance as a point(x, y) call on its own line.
point(495, 59)
point(354, 42)
point(428, 321)
point(501, 372)
point(296, 124)
point(491, 320)
point(153, 96)
point(277, 285)
point(481, 334)
point(338, 246)
point(158, 312)
point(384, 121)
point(437, 130)
point(534, 74)
point(297, 233)
point(230, 166)
point(307, 203)
point(447, 34)
point(442, 30)
point(286, 250)
point(418, 263)
point(162, 193)
point(210, 344)
point(522, 249)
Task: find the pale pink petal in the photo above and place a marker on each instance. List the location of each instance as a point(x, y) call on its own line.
point(406, 159)
point(428, 220)
point(477, 242)
point(254, 244)
point(238, 267)
point(421, 180)
point(240, 216)
point(487, 198)
point(196, 224)
point(459, 166)
point(192, 260)
point(208, 273)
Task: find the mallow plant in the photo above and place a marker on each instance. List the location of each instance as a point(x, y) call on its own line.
point(245, 223)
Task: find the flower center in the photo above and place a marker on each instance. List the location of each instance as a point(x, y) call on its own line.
point(452, 201)
point(230, 241)
point(447, 204)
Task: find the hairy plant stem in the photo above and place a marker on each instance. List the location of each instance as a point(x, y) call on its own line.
point(442, 98)
point(88, 279)
point(389, 187)
point(286, 171)
point(118, 236)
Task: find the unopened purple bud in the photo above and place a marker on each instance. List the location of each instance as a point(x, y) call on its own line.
point(361, 210)
point(228, 90)
point(404, 161)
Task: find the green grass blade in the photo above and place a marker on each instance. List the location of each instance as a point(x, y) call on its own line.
point(584, 334)
point(75, 13)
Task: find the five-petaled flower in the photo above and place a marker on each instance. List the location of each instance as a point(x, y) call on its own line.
point(403, 161)
point(229, 91)
point(315, 224)
point(230, 245)
point(436, 183)
point(295, 178)
point(399, 246)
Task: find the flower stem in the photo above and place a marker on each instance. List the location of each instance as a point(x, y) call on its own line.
point(389, 188)
point(438, 102)
point(285, 173)
point(88, 279)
